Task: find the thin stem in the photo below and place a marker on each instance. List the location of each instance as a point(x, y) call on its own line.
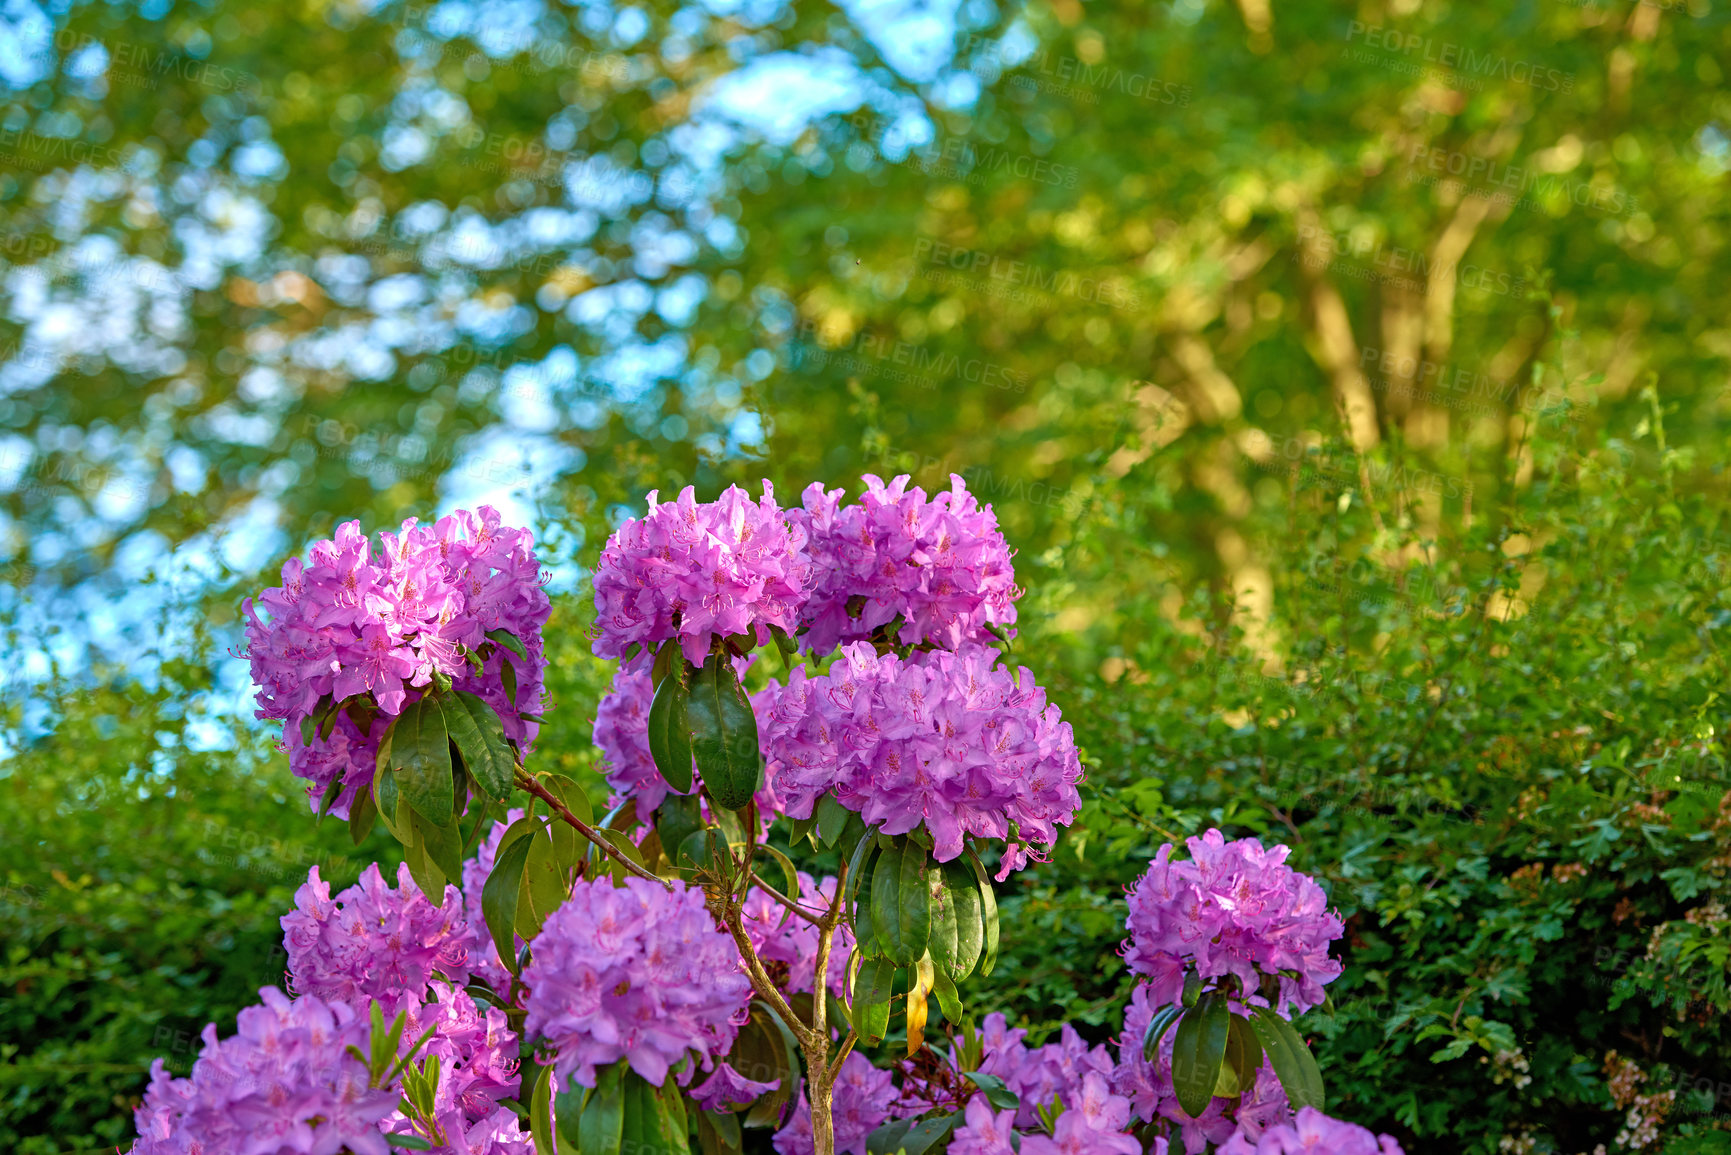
point(810, 916)
point(587, 831)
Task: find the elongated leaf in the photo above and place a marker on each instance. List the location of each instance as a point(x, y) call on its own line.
point(800, 829)
point(718, 1133)
point(997, 1094)
point(865, 930)
point(389, 801)
point(724, 734)
point(479, 734)
point(642, 1130)
point(886, 906)
point(569, 847)
point(675, 820)
point(988, 914)
point(545, 885)
point(670, 732)
point(1292, 1061)
point(915, 896)
point(871, 999)
point(421, 757)
point(856, 873)
point(601, 1126)
point(919, 988)
point(1158, 1025)
point(541, 1108)
point(509, 641)
point(499, 899)
point(422, 867)
point(941, 939)
point(444, 845)
point(329, 797)
point(363, 812)
point(924, 1136)
point(948, 997)
point(789, 873)
point(889, 1138)
point(964, 899)
point(1243, 1058)
point(1197, 1052)
point(831, 819)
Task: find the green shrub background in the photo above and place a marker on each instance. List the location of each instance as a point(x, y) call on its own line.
point(1461, 645)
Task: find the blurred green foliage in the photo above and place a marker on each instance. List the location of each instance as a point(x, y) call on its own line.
point(1351, 380)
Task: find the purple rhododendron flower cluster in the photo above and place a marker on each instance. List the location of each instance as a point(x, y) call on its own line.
point(283, 1083)
point(728, 1090)
point(1149, 1088)
point(635, 972)
point(689, 570)
point(622, 735)
point(350, 624)
point(477, 1054)
point(950, 741)
point(941, 565)
point(372, 942)
point(788, 942)
point(1232, 909)
point(1310, 1133)
point(860, 1105)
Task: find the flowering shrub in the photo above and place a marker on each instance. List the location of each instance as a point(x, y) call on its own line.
point(669, 972)
point(635, 972)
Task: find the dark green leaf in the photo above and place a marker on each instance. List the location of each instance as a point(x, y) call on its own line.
point(499, 898)
point(724, 735)
point(541, 1106)
point(670, 732)
point(924, 1136)
point(1292, 1061)
point(509, 641)
point(871, 999)
point(997, 1094)
point(330, 795)
point(407, 1142)
point(601, 1126)
point(444, 845)
point(421, 757)
point(363, 812)
point(964, 899)
point(831, 818)
point(480, 737)
point(988, 914)
point(1243, 1057)
point(941, 939)
point(888, 1139)
point(675, 820)
point(886, 909)
point(1158, 1024)
point(1197, 1051)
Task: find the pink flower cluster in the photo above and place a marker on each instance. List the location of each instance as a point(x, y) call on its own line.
point(791, 941)
point(634, 972)
point(1148, 1086)
point(1313, 1132)
point(477, 1068)
point(859, 1106)
point(941, 564)
point(690, 570)
point(622, 735)
point(350, 624)
point(1232, 909)
point(950, 741)
point(372, 942)
point(283, 1083)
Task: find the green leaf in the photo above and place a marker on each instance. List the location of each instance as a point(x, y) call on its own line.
point(601, 1127)
point(856, 871)
point(886, 908)
point(407, 1142)
point(888, 1139)
point(675, 820)
point(988, 914)
point(718, 1133)
point(1292, 1061)
point(421, 757)
point(724, 735)
point(509, 641)
point(670, 732)
point(948, 998)
point(479, 734)
point(997, 1094)
point(330, 795)
point(545, 884)
point(924, 1136)
point(644, 1129)
point(444, 846)
point(964, 898)
point(1197, 1052)
point(422, 867)
point(541, 1107)
point(363, 812)
point(802, 828)
point(1158, 1025)
point(499, 899)
point(831, 819)
point(871, 999)
point(941, 939)
point(789, 873)
point(1243, 1058)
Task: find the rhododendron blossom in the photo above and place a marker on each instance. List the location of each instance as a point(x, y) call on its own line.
point(1232, 909)
point(637, 972)
point(372, 942)
point(283, 1083)
point(952, 742)
point(691, 571)
point(1093, 1123)
point(1312, 1133)
point(941, 565)
point(351, 624)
